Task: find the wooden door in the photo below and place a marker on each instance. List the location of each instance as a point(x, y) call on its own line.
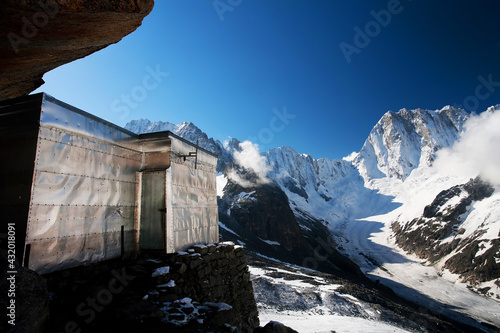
point(152, 233)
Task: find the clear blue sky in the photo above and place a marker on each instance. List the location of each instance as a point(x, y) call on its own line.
point(229, 67)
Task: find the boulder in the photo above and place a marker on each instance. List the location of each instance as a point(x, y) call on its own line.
point(274, 327)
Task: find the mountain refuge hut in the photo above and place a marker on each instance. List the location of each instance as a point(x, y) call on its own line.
point(78, 189)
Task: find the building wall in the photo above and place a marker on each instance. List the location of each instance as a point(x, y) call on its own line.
point(192, 214)
point(83, 193)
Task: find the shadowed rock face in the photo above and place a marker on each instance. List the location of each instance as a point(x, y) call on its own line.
point(266, 214)
point(37, 36)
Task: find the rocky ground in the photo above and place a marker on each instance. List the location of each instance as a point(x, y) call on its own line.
point(206, 289)
point(293, 290)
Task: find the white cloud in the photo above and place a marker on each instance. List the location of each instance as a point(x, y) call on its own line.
point(478, 150)
point(234, 176)
point(250, 158)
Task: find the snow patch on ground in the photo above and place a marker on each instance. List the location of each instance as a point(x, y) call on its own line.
point(161, 271)
point(319, 283)
point(223, 226)
point(245, 196)
point(270, 242)
point(308, 322)
point(169, 284)
point(285, 263)
point(219, 306)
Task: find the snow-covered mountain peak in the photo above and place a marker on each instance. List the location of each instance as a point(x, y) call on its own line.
point(401, 141)
point(147, 126)
point(188, 128)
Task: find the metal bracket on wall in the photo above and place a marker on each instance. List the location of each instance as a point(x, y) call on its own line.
point(191, 154)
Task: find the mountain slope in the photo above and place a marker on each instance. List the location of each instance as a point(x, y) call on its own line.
point(458, 233)
point(329, 190)
point(438, 231)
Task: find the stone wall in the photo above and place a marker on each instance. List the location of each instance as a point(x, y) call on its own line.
point(212, 278)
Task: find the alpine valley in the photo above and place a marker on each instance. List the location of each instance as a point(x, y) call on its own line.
point(416, 210)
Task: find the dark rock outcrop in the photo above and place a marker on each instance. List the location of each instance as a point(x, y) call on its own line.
point(38, 36)
point(265, 213)
point(477, 189)
point(274, 327)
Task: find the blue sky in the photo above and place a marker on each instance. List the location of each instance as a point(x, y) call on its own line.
point(291, 73)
